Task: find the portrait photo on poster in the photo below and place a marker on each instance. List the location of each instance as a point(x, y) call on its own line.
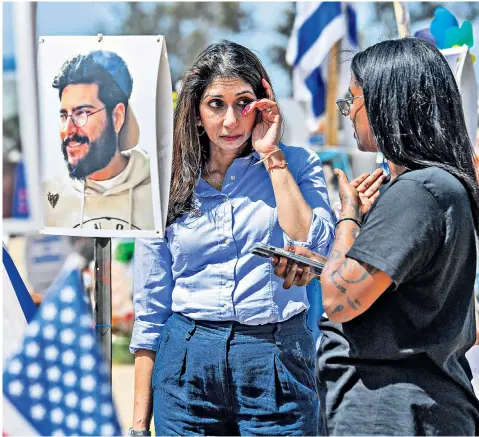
point(100, 131)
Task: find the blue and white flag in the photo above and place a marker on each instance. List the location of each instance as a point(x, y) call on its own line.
point(58, 384)
point(18, 306)
point(317, 27)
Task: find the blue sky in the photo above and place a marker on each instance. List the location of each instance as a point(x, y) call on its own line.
point(84, 18)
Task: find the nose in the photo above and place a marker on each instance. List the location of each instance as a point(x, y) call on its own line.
point(69, 128)
point(230, 120)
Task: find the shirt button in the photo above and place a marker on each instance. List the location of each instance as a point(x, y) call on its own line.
point(233, 178)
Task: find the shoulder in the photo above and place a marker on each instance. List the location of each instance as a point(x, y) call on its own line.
point(59, 185)
point(298, 153)
point(441, 184)
point(300, 158)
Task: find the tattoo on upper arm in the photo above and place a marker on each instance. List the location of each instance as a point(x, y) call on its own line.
point(356, 271)
point(337, 285)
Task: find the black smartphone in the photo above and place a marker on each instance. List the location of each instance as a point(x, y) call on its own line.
point(267, 251)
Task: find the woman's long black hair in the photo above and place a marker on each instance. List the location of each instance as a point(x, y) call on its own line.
point(190, 142)
point(415, 109)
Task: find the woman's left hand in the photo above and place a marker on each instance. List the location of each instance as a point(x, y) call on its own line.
point(266, 133)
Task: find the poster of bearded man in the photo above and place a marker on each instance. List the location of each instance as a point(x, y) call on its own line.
point(106, 131)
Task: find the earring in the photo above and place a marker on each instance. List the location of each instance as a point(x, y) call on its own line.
point(202, 133)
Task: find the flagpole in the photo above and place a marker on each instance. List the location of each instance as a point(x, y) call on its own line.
point(103, 301)
point(402, 19)
point(332, 115)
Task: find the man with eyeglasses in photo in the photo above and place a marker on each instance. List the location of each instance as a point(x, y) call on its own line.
point(109, 185)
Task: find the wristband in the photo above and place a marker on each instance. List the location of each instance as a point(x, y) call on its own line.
point(136, 432)
point(348, 218)
point(282, 164)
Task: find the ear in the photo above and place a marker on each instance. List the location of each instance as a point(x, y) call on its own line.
point(198, 122)
point(118, 116)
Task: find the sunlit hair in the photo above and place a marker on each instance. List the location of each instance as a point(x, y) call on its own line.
point(415, 109)
point(225, 59)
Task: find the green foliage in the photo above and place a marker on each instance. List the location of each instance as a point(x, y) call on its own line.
point(188, 26)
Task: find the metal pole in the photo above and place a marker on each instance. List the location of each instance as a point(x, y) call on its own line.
point(102, 308)
point(332, 113)
point(402, 19)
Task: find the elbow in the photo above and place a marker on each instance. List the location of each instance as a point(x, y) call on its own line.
point(335, 307)
point(334, 311)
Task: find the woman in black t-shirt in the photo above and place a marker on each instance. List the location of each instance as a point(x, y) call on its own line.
point(398, 284)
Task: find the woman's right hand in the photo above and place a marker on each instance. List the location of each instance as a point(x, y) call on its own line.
point(292, 273)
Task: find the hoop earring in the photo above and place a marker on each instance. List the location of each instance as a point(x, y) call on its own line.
point(202, 133)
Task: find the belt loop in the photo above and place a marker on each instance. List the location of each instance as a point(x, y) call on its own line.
point(276, 333)
point(191, 330)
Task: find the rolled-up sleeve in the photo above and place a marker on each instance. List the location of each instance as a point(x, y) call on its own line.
point(311, 182)
point(152, 292)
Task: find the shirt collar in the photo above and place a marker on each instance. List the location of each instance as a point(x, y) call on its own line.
point(203, 189)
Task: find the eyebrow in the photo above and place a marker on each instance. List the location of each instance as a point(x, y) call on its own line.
point(77, 108)
point(237, 94)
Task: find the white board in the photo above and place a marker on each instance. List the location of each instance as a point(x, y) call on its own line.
point(101, 179)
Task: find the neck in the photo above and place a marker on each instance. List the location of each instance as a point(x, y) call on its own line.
point(220, 159)
point(117, 164)
point(395, 170)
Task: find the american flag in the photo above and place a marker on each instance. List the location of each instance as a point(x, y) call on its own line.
point(57, 383)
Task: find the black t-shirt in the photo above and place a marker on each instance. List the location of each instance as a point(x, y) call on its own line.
point(399, 368)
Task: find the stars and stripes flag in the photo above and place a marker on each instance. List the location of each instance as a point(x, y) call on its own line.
point(57, 383)
point(18, 306)
point(317, 27)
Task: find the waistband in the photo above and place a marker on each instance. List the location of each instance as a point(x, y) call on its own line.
point(295, 324)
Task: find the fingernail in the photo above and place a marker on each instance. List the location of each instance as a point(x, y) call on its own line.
point(245, 110)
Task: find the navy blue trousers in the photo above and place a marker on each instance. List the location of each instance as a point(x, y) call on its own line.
point(225, 378)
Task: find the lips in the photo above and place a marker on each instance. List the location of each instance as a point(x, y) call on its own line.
point(231, 138)
point(74, 145)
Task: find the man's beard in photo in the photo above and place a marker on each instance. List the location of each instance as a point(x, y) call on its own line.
point(99, 155)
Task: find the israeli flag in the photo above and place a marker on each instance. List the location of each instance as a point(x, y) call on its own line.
point(317, 27)
point(18, 306)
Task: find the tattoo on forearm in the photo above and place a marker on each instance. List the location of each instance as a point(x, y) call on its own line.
point(354, 305)
point(355, 232)
point(335, 255)
point(338, 309)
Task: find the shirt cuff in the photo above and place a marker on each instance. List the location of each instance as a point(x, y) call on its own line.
point(320, 236)
point(145, 336)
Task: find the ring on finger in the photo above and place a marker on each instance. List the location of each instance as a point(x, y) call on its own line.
point(268, 109)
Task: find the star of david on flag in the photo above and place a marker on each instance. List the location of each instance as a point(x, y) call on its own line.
point(57, 383)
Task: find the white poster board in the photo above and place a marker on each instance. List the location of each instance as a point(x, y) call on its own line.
point(106, 124)
point(459, 59)
point(21, 170)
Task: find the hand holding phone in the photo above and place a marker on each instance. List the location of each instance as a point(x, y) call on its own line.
point(267, 251)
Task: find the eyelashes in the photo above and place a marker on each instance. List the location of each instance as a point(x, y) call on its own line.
point(218, 104)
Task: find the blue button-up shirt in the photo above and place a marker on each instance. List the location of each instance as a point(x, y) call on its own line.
point(203, 267)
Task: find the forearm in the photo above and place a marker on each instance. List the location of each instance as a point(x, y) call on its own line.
point(294, 213)
point(346, 234)
point(143, 396)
